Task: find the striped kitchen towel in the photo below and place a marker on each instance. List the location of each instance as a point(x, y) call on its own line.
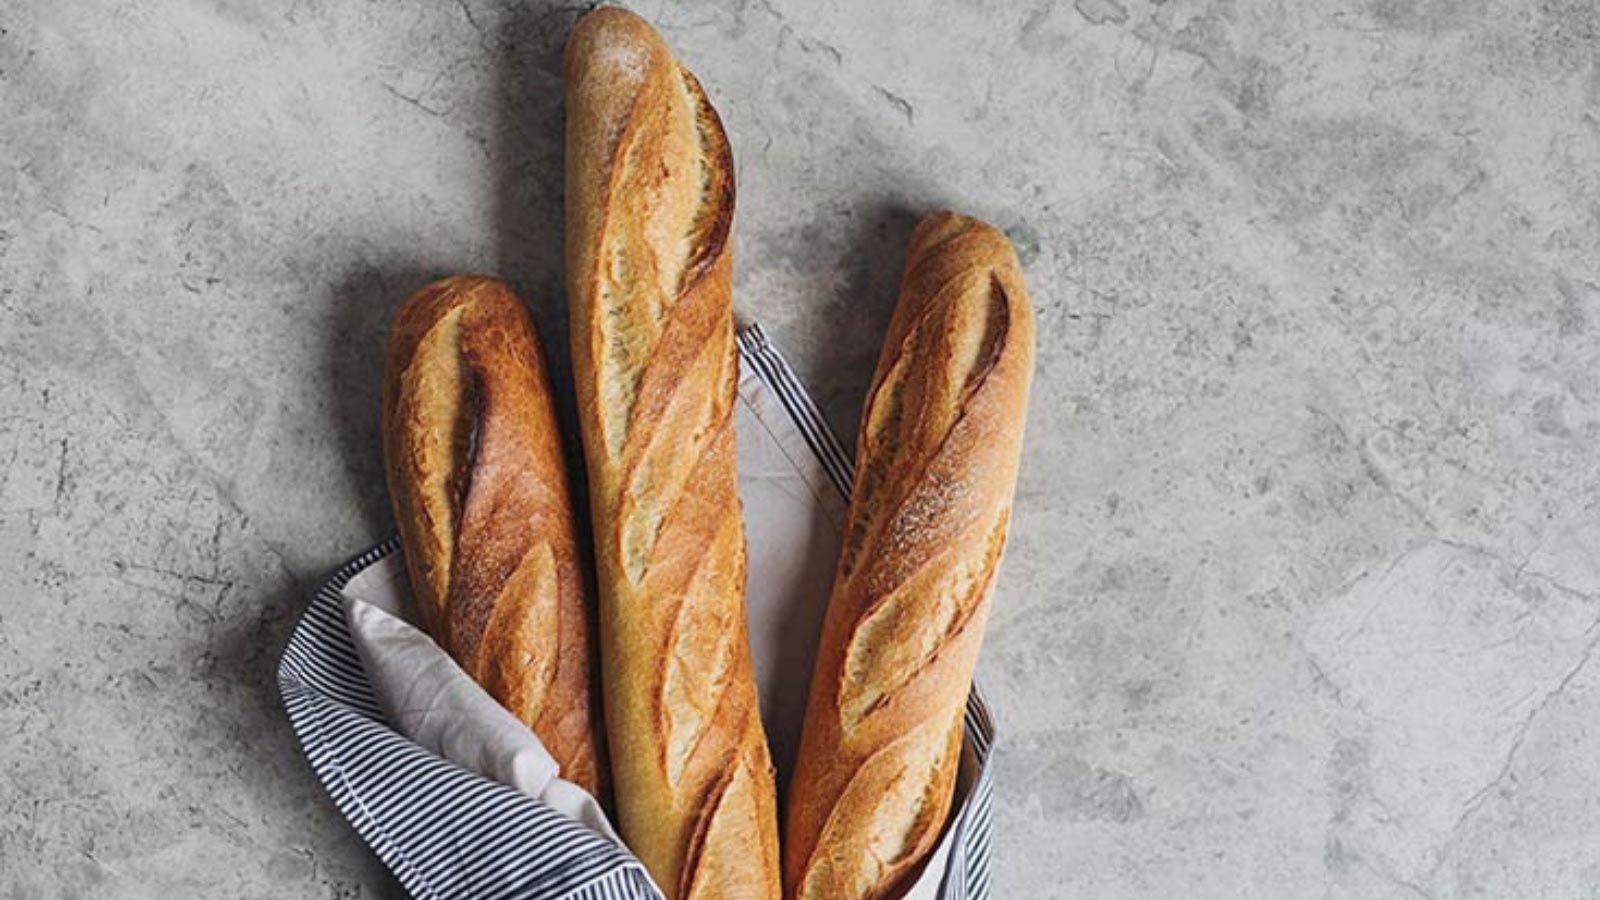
point(450, 834)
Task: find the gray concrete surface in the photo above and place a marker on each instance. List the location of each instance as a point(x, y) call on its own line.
point(1303, 594)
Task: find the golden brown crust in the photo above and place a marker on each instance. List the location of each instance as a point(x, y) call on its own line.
point(649, 205)
point(935, 467)
point(480, 497)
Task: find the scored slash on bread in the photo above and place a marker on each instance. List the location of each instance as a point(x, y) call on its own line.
point(650, 199)
point(935, 468)
point(479, 487)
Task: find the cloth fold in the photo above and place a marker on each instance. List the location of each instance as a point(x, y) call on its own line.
point(459, 798)
point(431, 700)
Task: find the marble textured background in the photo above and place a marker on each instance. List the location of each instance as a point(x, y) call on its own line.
point(1303, 594)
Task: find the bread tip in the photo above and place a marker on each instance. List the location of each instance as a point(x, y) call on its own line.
point(433, 300)
point(946, 222)
point(942, 217)
point(614, 39)
point(464, 282)
point(939, 227)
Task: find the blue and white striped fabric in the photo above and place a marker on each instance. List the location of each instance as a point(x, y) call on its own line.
point(449, 834)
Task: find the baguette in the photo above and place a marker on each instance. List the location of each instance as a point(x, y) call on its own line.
point(479, 487)
point(936, 463)
point(649, 206)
